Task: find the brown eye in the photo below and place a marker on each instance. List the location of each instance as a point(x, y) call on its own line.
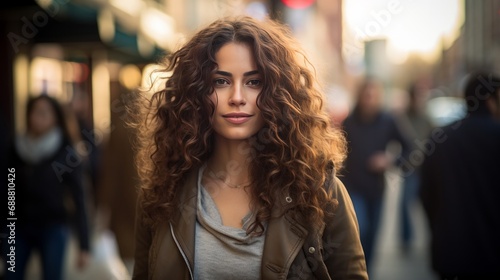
point(220, 82)
point(254, 83)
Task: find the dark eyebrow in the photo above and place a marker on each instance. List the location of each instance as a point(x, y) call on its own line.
point(250, 73)
point(227, 74)
point(223, 73)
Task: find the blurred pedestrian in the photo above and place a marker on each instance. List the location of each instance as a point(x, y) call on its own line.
point(369, 130)
point(239, 166)
point(417, 126)
point(460, 188)
point(49, 190)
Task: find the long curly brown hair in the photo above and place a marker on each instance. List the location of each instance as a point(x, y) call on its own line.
point(290, 154)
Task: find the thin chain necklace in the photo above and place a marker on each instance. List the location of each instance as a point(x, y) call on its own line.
point(221, 178)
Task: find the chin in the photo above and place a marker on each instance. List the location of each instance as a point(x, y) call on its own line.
point(237, 135)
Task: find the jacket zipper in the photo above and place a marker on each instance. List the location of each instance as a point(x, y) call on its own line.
point(182, 252)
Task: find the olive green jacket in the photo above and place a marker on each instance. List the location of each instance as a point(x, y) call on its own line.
point(292, 250)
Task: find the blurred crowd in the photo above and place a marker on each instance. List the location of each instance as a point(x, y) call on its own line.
point(452, 170)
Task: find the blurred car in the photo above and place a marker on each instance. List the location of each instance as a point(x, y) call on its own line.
point(445, 110)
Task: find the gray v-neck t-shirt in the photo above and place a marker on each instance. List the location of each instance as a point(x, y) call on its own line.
point(223, 252)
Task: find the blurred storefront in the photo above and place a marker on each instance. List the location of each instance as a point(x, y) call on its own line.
point(477, 47)
point(70, 49)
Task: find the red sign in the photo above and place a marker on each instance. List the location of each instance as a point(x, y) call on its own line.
point(298, 4)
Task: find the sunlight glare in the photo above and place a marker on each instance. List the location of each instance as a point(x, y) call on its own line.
point(409, 26)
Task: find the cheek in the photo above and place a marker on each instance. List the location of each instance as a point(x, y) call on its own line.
point(51, 121)
point(33, 121)
point(42, 121)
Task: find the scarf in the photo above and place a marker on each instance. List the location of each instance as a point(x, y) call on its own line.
point(34, 150)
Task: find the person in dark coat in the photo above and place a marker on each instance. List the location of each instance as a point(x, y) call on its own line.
point(49, 192)
point(460, 188)
point(369, 130)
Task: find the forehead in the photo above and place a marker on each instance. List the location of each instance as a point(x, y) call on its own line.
point(42, 104)
point(235, 55)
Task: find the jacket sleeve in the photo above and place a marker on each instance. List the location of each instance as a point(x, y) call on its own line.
point(143, 237)
point(429, 187)
point(401, 136)
point(342, 251)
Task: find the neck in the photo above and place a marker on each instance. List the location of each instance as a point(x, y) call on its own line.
point(230, 160)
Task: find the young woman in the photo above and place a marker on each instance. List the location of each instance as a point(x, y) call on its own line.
point(48, 180)
point(237, 159)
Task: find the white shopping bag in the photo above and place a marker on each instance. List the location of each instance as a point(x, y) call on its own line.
point(105, 263)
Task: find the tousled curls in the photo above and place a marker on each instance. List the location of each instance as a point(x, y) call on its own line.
point(289, 155)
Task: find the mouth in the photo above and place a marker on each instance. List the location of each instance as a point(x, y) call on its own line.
point(236, 115)
point(237, 118)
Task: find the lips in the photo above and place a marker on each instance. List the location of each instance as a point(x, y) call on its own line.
point(237, 118)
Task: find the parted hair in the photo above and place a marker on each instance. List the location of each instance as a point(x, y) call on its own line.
point(289, 155)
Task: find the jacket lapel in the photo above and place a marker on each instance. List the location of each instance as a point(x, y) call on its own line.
point(284, 239)
point(184, 219)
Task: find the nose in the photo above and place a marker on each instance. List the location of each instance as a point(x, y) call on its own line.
point(237, 97)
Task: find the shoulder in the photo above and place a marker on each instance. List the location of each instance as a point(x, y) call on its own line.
point(387, 118)
point(349, 120)
point(473, 126)
point(338, 191)
point(332, 183)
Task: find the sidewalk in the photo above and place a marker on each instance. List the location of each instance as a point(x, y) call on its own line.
point(390, 263)
point(104, 264)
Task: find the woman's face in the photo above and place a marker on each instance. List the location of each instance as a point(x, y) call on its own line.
point(237, 84)
point(42, 118)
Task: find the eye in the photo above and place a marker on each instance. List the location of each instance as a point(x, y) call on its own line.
point(255, 83)
point(220, 82)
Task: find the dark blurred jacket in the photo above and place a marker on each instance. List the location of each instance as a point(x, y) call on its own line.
point(460, 192)
point(43, 199)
